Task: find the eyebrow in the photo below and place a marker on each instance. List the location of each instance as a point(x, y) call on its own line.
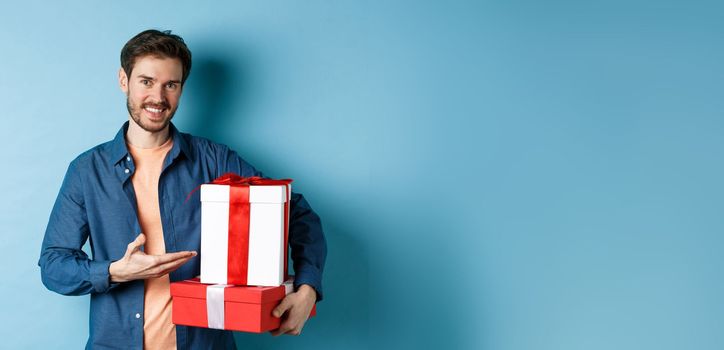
point(154, 79)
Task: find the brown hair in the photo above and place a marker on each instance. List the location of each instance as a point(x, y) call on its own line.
point(157, 43)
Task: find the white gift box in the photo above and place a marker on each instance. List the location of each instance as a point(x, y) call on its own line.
point(267, 232)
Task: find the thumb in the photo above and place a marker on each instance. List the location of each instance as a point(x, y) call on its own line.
point(136, 244)
point(285, 305)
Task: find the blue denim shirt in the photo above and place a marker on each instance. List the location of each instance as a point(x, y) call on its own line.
point(97, 203)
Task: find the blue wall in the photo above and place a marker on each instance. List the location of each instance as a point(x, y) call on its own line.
point(491, 174)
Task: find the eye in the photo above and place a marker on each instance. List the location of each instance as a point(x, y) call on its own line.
point(146, 82)
point(171, 86)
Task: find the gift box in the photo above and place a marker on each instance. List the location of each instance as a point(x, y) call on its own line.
point(237, 308)
point(244, 231)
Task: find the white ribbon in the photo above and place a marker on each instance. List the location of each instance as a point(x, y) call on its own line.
point(288, 286)
point(215, 305)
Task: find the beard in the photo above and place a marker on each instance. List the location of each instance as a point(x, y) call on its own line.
point(136, 112)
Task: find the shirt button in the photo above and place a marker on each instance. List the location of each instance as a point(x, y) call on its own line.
point(127, 171)
point(128, 159)
point(138, 315)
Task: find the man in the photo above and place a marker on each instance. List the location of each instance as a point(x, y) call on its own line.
point(128, 197)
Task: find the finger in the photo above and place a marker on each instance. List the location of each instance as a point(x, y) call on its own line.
point(170, 266)
point(283, 329)
point(170, 257)
point(288, 329)
point(285, 305)
point(294, 322)
point(136, 244)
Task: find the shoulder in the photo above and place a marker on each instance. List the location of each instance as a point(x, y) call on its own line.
point(84, 169)
point(218, 156)
point(203, 149)
point(201, 144)
point(93, 157)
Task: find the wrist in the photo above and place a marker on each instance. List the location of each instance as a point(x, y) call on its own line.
point(307, 291)
point(114, 272)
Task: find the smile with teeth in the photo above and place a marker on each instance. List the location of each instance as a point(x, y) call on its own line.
point(154, 110)
point(155, 113)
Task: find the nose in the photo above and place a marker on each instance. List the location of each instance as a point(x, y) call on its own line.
point(157, 94)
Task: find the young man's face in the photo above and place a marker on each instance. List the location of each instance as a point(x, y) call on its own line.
point(153, 91)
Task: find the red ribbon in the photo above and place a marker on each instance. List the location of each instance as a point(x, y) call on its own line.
point(239, 215)
point(236, 180)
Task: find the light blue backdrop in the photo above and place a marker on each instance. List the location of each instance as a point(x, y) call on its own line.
point(491, 174)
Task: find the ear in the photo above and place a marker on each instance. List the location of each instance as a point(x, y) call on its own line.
point(123, 80)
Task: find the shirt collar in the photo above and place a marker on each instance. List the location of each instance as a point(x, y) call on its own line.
point(119, 150)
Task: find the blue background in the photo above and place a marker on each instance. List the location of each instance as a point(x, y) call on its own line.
point(491, 174)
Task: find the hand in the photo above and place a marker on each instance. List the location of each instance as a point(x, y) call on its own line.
point(295, 307)
point(137, 265)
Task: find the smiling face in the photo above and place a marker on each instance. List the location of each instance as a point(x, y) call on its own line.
point(153, 91)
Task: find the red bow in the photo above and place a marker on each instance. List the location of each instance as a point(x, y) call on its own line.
point(232, 179)
point(236, 180)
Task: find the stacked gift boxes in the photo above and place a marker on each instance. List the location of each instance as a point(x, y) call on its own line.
point(244, 239)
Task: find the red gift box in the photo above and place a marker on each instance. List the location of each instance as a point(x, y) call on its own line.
point(237, 308)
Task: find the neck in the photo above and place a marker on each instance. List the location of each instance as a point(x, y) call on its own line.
point(146, 139)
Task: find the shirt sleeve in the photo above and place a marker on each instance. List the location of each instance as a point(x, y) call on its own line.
point(309, 247)
point(64, 267)
point(306, 237)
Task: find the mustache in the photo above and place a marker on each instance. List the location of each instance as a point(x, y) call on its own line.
point(159, 105)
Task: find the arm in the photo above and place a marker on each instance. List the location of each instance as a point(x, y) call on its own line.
point(309, 247)
point(68, 270)
point(64, 267)
point(309, 252)
point(306, 237)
